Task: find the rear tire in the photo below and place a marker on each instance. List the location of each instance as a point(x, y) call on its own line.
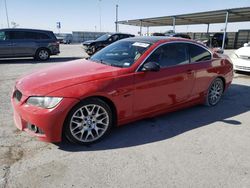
point(88, 122)
point(42, 54)
point(214, 92)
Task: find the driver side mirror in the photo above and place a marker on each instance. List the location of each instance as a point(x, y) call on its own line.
point(151, 66)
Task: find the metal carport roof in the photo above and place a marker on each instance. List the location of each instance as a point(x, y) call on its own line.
point(210, 17)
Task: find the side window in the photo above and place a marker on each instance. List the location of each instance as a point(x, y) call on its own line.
point(17, 35)
point(31, 35)
point(170, 55)
point(198, 53)
point(123, 36)
point(115, 38)
point(2, 36)
point(41, 36)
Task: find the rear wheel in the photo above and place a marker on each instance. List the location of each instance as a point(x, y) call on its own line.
point(215, 92)
point(88, 122)
point(42, 54)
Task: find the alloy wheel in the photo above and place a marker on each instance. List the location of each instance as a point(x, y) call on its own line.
point(89, 123)
point(215, 92)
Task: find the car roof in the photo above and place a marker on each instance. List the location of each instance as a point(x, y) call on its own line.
point(155, 39)
point(119, 33)
point(24, 29)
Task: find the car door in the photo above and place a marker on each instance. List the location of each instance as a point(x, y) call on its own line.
point(173, 84)
point(22, 43)
point(5, 45)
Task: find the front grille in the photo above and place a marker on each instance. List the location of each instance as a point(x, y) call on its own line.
point(17, 95)
point(242, 67)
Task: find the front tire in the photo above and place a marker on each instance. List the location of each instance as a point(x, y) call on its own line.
point(88, 122)
point(215, 92)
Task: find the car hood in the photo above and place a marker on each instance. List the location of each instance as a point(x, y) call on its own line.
point(43, 82)
point(88, 42)
point(244, 51)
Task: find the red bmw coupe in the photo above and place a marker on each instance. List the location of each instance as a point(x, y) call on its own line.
point(129, 80)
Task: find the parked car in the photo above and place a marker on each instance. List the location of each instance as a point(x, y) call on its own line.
point(181, 35)
point(213, 40)
point(241, 58)
point(93, 46)
point(67, 41)
point(39, 44)
point(128, 80)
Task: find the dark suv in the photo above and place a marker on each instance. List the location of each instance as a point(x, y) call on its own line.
point(39, 44)
point(93, 46)
point(217, 40)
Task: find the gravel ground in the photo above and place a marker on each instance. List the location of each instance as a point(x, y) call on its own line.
point(195, 147)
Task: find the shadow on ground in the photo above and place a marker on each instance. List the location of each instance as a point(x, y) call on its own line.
point(234, 102)
point(32, 61)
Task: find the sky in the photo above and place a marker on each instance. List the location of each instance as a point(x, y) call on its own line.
point(84, 15)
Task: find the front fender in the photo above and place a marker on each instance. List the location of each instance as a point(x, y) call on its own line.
point(119, 90)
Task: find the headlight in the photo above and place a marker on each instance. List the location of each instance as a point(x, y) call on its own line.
point(44, 102)
point(234, 56)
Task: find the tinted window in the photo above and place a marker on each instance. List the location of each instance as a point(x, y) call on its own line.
point(170, 55)
point(123, 36)
point(17, 35)
point(198, 53)
point(31, 35)
point(42, 36)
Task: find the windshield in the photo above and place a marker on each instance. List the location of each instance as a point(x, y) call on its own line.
point(121, 53)
point(104, 37)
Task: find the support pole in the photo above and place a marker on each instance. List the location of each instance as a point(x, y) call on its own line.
point(140, 27)
point(116, 21)
point(100, 12)
point(208, 28)
point(174, 24)
point(148, 31)
point(7, 15)
point(225, 31)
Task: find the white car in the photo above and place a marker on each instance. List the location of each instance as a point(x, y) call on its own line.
point(241, 58)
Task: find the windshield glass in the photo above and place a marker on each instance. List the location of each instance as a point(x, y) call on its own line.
point(104, 37)
point(121, 53)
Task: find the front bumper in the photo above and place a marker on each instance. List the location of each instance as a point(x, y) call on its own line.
point(241, 65)
point(50, 121)
point(89, 49)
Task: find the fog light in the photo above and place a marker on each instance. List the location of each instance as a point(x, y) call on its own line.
point(34, 128)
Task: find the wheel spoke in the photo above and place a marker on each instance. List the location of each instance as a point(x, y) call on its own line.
point(101, 121)
point(76, 127)
point(78, 132)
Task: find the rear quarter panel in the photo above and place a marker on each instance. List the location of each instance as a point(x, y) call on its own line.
point(207, 71)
